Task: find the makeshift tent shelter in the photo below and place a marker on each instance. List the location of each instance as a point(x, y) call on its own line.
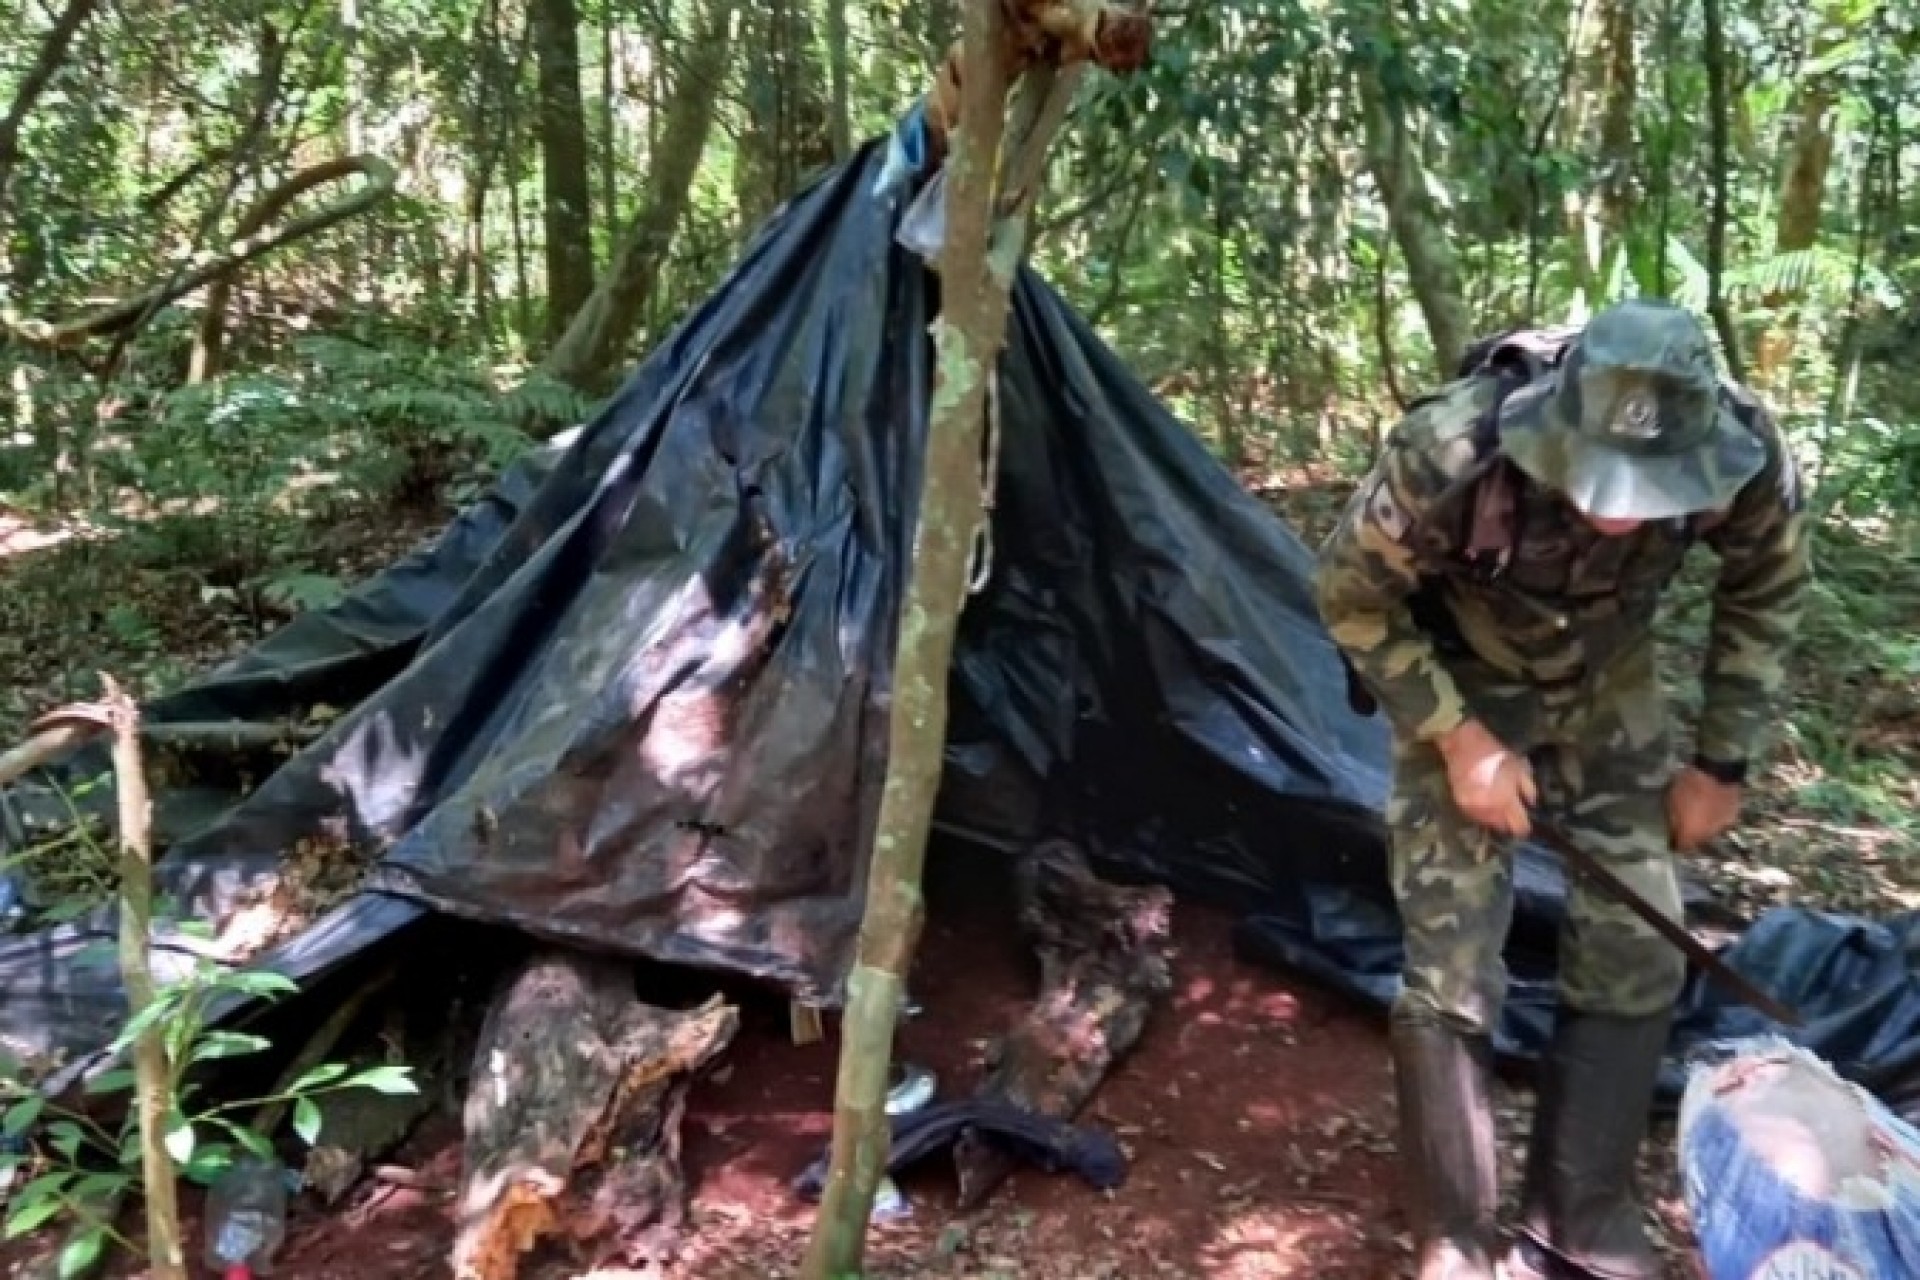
point(634, 699)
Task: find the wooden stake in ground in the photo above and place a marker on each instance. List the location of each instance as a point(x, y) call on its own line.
point(1046, 43)
point(120, 715)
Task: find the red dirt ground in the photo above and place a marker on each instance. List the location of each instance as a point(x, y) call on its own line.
point(1251, 1112)
point(1256, 1112)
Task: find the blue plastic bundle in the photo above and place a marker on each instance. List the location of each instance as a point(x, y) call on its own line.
point(1792, 1173)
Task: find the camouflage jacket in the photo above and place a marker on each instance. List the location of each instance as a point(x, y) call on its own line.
point(1404, 599)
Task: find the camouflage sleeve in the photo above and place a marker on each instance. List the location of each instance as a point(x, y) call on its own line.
point(1765, 569)
point(1367, 572)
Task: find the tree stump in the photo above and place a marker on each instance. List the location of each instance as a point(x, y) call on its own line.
point(1790, 1171)
point(1103, 968)
point(573, 1116)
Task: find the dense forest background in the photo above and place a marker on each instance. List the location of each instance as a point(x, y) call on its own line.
point(1289, 224)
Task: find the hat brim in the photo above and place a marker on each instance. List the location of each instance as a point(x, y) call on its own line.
point(1615, 484)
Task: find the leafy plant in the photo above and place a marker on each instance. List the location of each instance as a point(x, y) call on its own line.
point(78, 1163)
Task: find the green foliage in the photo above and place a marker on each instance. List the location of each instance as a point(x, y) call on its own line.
point(74, 1164)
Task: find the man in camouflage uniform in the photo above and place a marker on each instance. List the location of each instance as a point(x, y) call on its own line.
point(1493, 585)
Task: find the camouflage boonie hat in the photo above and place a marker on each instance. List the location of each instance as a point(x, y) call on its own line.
point(1631, 426)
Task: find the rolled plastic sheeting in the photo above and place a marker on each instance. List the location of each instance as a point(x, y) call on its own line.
point(1792, 1173)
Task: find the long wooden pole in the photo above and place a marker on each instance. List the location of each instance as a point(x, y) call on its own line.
point(1044, 44)
point(967, 338)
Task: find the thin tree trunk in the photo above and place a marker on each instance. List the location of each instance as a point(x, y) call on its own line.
point(984, 243)
point(591, 344)
point(1620, 94)
point(1802, 199)
point(967, 336)
point(1715, 53)
point(46, 64)
point(609, 130)
point(1432, 266)
point(839, 118)
point(567, 208)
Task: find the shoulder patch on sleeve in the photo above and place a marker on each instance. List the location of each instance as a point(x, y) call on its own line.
point(1384, 512)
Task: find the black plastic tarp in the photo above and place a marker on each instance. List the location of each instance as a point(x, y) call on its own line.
point(636, 698)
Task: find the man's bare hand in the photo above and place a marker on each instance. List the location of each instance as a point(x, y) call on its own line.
point(1492, 784)
point(1699, 809)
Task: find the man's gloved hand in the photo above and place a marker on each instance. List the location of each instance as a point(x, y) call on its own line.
point(1699, 808)
point(1492, 784)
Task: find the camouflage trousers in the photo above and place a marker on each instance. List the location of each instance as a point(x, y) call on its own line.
point(1602, 756)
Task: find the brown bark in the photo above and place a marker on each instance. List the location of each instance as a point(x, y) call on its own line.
point(985, 241)
point(1103, 968)
point(209, 341)
point(1802, 199)
point(1432, 267)
point(839, 108)
point(568, 201)
point(1715, 52)
point(1619, 91)
point(573, 1118)
point(590, 347)
point(52, 55)
point(118, 316)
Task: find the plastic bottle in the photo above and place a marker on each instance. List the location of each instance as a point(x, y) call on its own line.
point(246, 1218)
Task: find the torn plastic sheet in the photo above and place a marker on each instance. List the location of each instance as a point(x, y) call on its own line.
point(636, 698)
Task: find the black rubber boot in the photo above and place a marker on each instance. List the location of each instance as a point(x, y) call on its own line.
point(1579, 1211)
point(1447, 1148)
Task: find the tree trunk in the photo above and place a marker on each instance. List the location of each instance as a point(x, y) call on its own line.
point(590, 347)
point(1802, 198)
point(568, 207)
point(1713, 45)
point(46, 63)
point(789, 126)
point(1620, 91)
point(840, 115)
point(967, 338)
point(1432, 267)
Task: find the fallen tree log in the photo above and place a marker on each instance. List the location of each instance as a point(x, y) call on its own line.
point(573, 1116)
point(57, 733)
point(1789, 1170)
point(1103, 969)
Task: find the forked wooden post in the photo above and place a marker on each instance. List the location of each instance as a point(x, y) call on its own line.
point(991, 189)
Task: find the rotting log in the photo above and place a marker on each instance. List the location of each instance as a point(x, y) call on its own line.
point(1104, 968)
point(573, 1116)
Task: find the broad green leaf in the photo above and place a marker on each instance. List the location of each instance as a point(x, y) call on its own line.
point(111, 1081)
point(67, 1138)
point(389, 1079)
point(30, 1213)
point(21, 1115)
point(180, 1139)
point(96, 1185)
point(325, 1073)
point(228, 1044)
point(82, 1252)
point(306, 1120)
